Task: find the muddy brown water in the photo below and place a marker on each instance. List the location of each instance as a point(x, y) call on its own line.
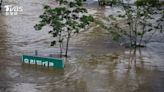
point(96, 63)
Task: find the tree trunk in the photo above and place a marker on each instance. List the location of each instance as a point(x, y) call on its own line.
point(60, 41)
point(1, 5)
point(61, 51)
point(67, 45)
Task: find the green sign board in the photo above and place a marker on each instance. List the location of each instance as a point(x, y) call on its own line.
point(45, 61)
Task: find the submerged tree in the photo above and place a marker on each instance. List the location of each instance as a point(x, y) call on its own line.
point(67, 19)
point(134, 21)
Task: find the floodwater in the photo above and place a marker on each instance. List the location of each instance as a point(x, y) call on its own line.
point(95, 63)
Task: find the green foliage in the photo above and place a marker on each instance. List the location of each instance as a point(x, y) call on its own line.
point(152, 3)
point(108, 2)
point(65, 20)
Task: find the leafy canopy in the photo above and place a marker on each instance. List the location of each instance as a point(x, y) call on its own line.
point(66, 19)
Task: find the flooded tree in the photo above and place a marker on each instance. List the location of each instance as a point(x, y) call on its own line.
point(67, 19)
point(135, 21)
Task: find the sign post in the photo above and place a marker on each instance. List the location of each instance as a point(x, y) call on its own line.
point(45, 61)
